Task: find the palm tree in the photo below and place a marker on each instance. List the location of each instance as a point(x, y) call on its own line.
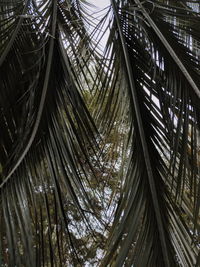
point(146, 81)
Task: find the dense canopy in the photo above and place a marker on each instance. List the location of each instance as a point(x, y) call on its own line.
point(99, 143)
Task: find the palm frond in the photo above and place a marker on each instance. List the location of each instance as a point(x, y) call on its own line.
point(47, 133)
point(144, 91)
point(157, 219)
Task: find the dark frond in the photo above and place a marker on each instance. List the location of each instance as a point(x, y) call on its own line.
point(156, 222)
point(69, 113)
point(48, 136)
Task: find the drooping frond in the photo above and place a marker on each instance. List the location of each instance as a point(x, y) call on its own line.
point(47, 134)
point(73, 117)
point(157, 220)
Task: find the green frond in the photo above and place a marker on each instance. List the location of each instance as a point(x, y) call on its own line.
point(99, 146)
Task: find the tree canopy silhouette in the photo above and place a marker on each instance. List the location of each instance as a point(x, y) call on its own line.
point(84, 128)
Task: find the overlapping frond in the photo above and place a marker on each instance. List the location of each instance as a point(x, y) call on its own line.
point(47, 134)
point(157, 220)
point(57, 89)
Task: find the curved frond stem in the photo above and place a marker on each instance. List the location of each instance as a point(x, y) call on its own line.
point(143, 140)
point(42, 101)
point(14, 34)
point(169, 48)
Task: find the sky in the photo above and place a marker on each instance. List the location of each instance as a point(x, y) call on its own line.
point(101, 4)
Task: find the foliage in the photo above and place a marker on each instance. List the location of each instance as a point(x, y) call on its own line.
point(77, 121)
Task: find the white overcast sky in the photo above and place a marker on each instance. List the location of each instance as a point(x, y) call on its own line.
point(101, 4)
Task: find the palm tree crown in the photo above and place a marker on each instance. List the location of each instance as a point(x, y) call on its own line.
point(63, 98)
